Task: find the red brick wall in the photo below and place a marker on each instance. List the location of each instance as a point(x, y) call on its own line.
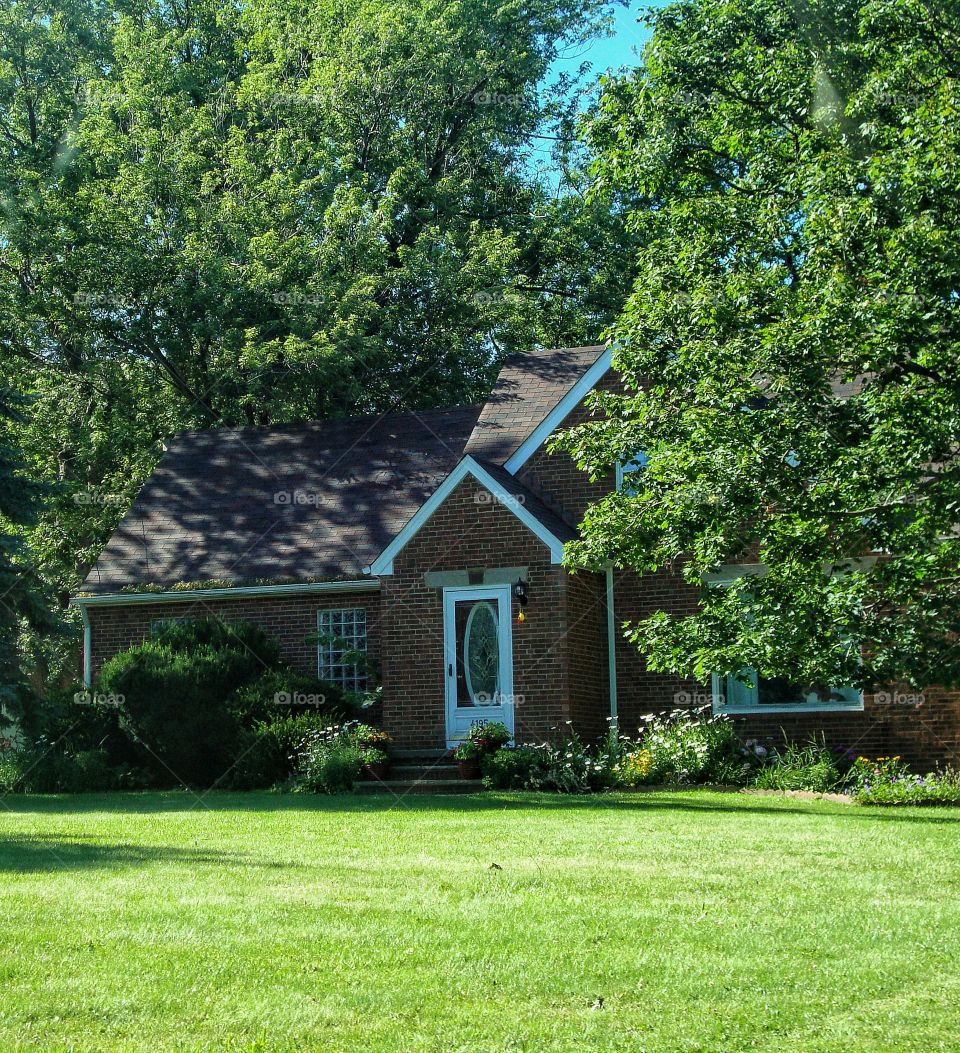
point(291, 618)
point(586, 639)
point(466, 534)
point(555, 478)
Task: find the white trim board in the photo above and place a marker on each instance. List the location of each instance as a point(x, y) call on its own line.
point(560, 412)
point(117, 599)
point(383, 564)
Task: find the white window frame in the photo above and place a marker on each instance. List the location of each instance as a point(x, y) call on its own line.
point(348, 676)
point(734, 687)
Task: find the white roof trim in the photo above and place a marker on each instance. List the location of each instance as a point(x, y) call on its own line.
point(560, 412)
point(114, 599)
point(383, 564)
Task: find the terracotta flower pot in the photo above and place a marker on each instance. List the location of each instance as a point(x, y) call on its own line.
point(469, 769)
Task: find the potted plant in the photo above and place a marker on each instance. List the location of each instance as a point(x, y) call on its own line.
point(368, 737)
point(467, 756)
point(490, 737)
point(376, 763)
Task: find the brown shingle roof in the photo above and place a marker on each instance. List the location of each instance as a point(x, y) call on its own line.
point(528, 388)
point(210, 511)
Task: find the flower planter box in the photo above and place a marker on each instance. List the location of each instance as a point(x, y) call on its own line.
point(469, 769)
point(377, 771)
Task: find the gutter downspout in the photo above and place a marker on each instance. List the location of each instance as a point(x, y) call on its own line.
point(611, 651)
point(87, 646)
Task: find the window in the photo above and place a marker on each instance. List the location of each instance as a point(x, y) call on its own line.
point(159, 623)
point(628, 468)
point(779, 695)
point(343, 635)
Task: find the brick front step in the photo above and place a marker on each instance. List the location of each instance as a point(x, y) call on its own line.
point(400, 788)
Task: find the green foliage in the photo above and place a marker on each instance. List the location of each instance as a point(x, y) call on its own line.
point(267, 753)
point(21, 591)
point(283, 691)
point(368, 737)
point(177, 694)
point(517, 768)
point(889, 781)
point(329, 761)
point(491, 736)
point(794, 168)
point(468, 750)
point(810, 767)
point(71, 744)
point(687, 747)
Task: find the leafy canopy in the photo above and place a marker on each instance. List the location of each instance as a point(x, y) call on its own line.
point(791, 345)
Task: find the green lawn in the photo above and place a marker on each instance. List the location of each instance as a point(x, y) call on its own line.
point(254, 922)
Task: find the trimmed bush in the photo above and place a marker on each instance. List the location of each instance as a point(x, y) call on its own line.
point(282, 692)
point(176, 691)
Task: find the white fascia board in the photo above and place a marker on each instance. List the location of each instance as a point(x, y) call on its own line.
point(560, 412)
point(383, 564)
point(116, 599)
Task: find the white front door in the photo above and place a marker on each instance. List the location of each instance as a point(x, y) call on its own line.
point(479, 658)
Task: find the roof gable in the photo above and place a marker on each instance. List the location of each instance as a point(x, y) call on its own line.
point(544, 524)
point(528, 392)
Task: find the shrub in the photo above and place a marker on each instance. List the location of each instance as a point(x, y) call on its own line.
point(372, 757)
point(693, 747)
point(75, 745)
point(516, 768)
point(177, 693)
point(812, 767)
point(284, 692)
point(329, 761)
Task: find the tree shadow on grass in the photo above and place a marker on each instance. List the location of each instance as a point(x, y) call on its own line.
point(26, 854)
point(694, 800)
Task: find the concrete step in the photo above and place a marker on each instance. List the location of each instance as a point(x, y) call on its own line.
point(419, 756)
point(401, 787)
point(417, 772)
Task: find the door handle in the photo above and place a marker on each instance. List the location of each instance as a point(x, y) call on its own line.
point(450, 669)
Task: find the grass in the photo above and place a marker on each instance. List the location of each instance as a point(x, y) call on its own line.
point(254, 922)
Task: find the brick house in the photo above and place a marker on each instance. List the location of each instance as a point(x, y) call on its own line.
point(412, 536)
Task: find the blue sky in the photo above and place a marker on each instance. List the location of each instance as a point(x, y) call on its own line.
point(622, 49)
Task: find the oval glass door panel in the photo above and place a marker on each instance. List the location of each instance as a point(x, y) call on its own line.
point(480, 655)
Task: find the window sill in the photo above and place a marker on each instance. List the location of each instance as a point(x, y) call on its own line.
point(799, 708)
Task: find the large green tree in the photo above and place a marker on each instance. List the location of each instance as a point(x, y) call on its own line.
point(21, 592)
point(220, 213)
point(792, 342)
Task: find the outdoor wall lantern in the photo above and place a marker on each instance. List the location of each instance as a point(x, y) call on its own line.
point(520, 592)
